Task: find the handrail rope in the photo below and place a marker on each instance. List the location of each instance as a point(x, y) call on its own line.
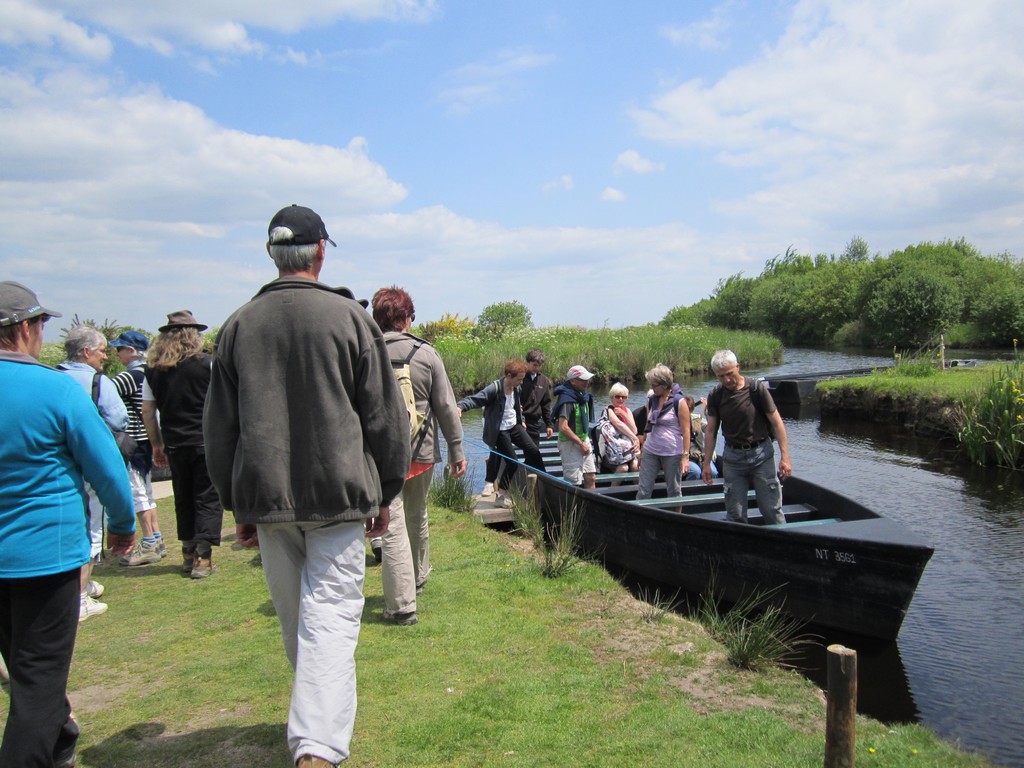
point(510, 458)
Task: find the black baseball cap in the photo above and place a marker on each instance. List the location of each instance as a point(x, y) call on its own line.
point(306, 225)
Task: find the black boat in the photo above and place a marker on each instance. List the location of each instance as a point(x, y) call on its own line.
point(834, 564)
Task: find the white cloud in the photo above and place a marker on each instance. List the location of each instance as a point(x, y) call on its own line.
point(216, 25)
point(865, 111)
point(706, 34)
point(632, 161)
point(613, 195)
point(489, 81)
point(136, 188)
point(563, 182)
point(24, 23)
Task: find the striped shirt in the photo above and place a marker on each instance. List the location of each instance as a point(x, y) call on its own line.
point(129, 387)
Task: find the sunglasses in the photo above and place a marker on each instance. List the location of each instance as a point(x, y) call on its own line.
point(619, 397)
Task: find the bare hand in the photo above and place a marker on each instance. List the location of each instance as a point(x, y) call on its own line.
point(378, 526)
point(459, 468)
point(705, 474)
point(120, 543)
point(247, 535)
point(785, 470)
point(159, 457)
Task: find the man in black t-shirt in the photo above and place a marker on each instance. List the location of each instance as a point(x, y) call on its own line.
point(749, 456)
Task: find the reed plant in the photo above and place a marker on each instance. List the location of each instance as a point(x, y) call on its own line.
point(562, 542)
point(992, 431)
point(756, 631)
point(655, 606)
point(557, 540)
point(623, 354)
point(454, 493)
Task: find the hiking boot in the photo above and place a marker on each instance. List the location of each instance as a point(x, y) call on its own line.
point(89, 607)
point(143, 554)
point(188, 557)
point(404, 619)
point(488, 489)
point(161, 547)
point(202, 567)
point(93, 588)
point(375, 547)
point(309, 761)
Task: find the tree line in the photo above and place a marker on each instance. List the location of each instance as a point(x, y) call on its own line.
point(906, 299)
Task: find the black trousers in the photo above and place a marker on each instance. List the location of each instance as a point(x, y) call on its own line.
point(38, 625)
point(197, 506)
point(507, 439)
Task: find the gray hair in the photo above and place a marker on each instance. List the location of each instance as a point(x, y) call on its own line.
point(80, 338)
point(722, 359)
point(291, 258)
point(660, 374)
point(618, 388)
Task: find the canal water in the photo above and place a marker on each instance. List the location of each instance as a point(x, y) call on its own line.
point(958, 664)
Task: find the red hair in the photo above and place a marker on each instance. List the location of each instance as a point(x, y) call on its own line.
point(515, 367)
point(392, 307)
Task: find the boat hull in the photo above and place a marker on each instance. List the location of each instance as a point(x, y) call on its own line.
point(857, 575)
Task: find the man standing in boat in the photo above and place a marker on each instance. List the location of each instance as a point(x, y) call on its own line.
point(749, 421)
point(574, 412)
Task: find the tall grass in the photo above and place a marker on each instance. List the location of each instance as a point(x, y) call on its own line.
point(623, 354)
point(455, 493)
point(558, 541)
point(756, 631)
point(993, 427)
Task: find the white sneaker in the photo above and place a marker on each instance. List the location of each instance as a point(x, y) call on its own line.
point(89, 607)
point(488, 489)
point(93, 588)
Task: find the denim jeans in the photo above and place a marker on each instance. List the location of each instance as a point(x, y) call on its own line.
point(740, 469)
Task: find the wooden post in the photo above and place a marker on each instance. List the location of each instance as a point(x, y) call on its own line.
point(841, 717)
point(531, 489)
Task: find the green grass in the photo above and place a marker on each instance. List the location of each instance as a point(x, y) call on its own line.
point(506, 668)
point(954, 384)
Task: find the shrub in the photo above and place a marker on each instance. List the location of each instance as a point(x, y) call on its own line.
point(447, 325)
point(497, 320)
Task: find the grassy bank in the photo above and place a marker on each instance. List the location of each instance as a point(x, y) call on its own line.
point(622, 354)
point(506, 668)
point(981, 408)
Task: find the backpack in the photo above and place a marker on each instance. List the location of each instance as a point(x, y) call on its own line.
point(614, 446)
point(756, 397)
point(403, 373)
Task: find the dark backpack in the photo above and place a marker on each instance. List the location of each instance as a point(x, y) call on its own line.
point(756, 397)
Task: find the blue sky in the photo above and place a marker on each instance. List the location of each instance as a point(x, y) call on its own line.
point(600, 162)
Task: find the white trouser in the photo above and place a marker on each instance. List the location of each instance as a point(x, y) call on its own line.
point(315, 574)
point(95, 522)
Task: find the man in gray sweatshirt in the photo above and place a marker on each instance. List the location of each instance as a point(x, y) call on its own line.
point(306, 438)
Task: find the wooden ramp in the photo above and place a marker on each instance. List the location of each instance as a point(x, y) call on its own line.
point(489, 512)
